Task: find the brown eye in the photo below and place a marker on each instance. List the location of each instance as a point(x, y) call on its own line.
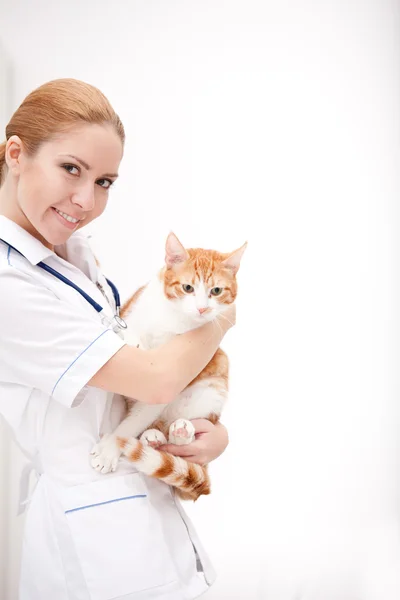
point(189, 289)
point(104, 183)
point(70, 168)
point(217, 291)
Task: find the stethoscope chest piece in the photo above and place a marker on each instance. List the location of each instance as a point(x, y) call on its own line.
point(120, 321)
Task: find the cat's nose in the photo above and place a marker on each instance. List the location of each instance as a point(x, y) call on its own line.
point(203, 310)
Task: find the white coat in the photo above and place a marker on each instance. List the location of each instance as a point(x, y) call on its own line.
point(87, 536)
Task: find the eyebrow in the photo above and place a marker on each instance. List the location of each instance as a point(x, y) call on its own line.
point(86, 166)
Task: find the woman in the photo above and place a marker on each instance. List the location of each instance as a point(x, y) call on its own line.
point(64, 367)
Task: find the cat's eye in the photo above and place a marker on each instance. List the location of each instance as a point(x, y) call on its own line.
point(217, 291)
point(189, 289)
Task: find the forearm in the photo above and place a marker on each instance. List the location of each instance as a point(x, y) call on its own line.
point(158, 376)
point(186, 355)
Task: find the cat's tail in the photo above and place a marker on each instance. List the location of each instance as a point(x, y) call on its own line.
point(190, 480)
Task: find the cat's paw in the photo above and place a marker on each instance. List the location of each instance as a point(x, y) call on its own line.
point(97, 448)
point(181, 432)
point(105, 454)
point(153, 438)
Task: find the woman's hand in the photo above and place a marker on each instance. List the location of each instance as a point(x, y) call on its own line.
point(210, 442)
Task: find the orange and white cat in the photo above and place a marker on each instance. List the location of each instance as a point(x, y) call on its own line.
point(194, 286)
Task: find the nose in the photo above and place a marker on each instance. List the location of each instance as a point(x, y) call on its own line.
point(203, 310)
point(84, 198)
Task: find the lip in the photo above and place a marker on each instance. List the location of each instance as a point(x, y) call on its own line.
point(66, 223)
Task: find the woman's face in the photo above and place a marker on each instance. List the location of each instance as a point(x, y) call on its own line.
point(65, 185)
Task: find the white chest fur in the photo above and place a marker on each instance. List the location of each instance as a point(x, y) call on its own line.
point(154, 319)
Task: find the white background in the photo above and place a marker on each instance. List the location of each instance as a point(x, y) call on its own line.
point(276, 123)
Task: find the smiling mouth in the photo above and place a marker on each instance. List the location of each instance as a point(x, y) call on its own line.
point(67, 217)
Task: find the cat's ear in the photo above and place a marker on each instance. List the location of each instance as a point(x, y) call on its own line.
point(175, 253)
point(233, 260)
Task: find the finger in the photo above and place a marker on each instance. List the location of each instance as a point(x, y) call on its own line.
point(176, 450)
point(197, 458)
point(202, 425)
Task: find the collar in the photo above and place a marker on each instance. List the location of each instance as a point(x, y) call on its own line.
point(31, 248)
point(76, 250)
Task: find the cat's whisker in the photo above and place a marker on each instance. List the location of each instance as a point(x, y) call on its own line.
point(219, 325)
point(226, 318)
point(214, 324)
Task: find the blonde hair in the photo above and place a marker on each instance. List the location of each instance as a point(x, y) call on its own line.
point(57, 106)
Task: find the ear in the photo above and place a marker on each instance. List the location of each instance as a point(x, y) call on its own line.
point(233, 260)
point(175, 253)
point(13, 151)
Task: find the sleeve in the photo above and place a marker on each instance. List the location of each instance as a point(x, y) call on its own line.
point(47, 343)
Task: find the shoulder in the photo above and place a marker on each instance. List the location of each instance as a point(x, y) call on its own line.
point(13, 267)
point(24, 290)
point(15, 270)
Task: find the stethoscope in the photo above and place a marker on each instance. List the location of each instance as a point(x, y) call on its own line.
point(119, 321)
